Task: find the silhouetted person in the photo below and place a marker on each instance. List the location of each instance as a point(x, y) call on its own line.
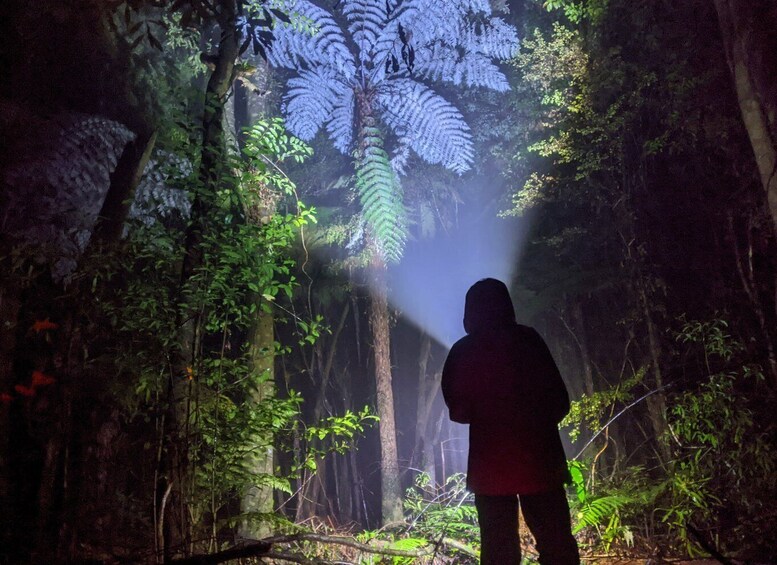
point(501, 380)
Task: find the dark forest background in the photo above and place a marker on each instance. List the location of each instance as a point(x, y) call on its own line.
point(190, 301)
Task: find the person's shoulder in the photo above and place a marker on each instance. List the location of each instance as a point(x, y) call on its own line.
point(527, 334)
point(526, 331)
point(463, 343)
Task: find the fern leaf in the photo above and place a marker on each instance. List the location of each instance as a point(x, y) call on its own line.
point(435, 129)
point(311, 100)
point(432, 20)
point(340, 126)
point(367, 23)
point(380, 194)
point(312, 39)
point(596, 512)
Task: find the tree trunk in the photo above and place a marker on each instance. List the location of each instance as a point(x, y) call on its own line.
point(428, 388)
point(313, 492)
point(391, 490)
point(124, 180)
point(259, 499)
point(213, 162)
point(582, 340)
point(174, 469)
point(747, 276)
point(747, 28)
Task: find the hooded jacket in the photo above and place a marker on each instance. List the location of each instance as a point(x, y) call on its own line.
point(502, 381)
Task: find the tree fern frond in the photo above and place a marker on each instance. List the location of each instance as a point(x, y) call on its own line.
point(312, 39)
point(401, 155)
point(432, 20)
point(436, 130)
point(367, 22)
point(340, 126)
point(311, 101)
point(380, 194)
point(443, 63)
point(493, 38)
point(477, 70)
point(476, 6)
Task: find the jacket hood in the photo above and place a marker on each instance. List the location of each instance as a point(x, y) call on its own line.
point(488, 306)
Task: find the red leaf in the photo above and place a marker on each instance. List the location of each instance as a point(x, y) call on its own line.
point(41, 379)
point(5, 398)
point(42, 325)
point(25, 390)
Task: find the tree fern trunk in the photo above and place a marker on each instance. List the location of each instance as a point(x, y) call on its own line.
point(391, 491)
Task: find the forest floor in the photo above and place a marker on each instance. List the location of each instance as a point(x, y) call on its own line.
point(606, 560)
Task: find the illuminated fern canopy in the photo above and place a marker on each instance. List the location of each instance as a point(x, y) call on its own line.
point(374, 74)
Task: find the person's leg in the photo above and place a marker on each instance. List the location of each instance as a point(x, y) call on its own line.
point(498, 519)
point(547, 516)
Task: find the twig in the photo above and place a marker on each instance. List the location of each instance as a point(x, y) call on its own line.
point(618, 415)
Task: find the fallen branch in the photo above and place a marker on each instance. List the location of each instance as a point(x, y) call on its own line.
point(263, 548)
point(254, 549)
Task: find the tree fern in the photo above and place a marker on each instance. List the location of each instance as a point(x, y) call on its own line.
point(380, 194)
point(371, 67)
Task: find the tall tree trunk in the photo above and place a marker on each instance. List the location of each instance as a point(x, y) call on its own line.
point(577, 330)
point(391, 490)
point(750, 41)
point(259, 499)
point(428, 388)
point(657, 402)
point(747, 276)
point(213, 163)
point(174, 469)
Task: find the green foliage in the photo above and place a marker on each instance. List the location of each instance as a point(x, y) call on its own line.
point(725, 462)
point(433, 513)
point(588, 412)
point(438, 511)
point(381, 195)
point(336, 433)
point(227, 410)
point(603, 513)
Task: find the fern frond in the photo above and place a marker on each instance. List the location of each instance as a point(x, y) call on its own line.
point(443, 63)
point(493, 38)
point(597, 511)
point(435, 129)
point(340, 126)
point(432, 20)
point(367, 23)
point(311, 101)
point(312, 39)
point(380, 194)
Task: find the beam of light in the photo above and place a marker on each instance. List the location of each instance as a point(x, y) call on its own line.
point(429, 284)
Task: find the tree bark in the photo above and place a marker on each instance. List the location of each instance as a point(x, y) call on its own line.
point(259, 499)
point(391, 491)
point(124, 180)
point(428, 387)
point(747, 29)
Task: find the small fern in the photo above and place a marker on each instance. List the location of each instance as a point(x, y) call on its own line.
point(599, 511)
